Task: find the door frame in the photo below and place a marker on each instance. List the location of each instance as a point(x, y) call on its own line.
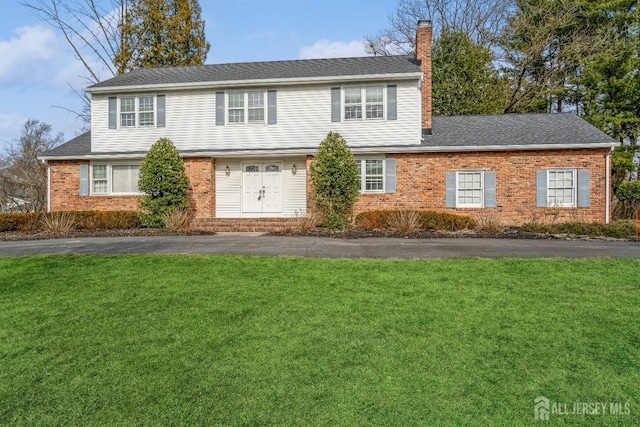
point(262, 163)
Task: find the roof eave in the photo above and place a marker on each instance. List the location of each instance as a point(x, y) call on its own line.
point(256, 83)
point(356, 150)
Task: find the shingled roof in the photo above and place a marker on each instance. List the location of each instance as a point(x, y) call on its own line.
point(457, 133)
point(281, 70)
point(514, 130)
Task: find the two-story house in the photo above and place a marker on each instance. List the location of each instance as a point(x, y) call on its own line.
point(248, 132)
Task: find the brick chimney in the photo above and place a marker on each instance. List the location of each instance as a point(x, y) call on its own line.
point(423, 55)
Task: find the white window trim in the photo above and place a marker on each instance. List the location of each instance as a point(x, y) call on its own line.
point(136, 112)
point(363, 103)
point(574, 192)
point(470, 205)
point(109, 191)
point(363, 178)
point(246, 108)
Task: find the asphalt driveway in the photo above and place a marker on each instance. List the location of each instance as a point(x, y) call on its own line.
point(325, 247)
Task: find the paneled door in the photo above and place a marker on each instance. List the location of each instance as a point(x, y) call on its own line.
point(262, 187)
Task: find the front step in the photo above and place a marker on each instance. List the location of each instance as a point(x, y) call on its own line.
point(262, 225)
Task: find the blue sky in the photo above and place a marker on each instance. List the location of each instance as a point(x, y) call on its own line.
point(37, 66)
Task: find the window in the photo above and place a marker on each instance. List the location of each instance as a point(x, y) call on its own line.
point(146, 111)
point(469, 189)
point(373, 104)
point(246, 107)
point(561, 187)
point(127, 112)
point(236, 108)
point(99, 183)
point(143, 107)
point(371, 173)
point(256, 106)
point(114, 179)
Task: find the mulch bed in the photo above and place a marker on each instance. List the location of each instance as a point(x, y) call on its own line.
point(15, 235)
point(360, 233)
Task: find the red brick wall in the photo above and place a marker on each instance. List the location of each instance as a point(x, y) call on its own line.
point(423, 54)
point(65, 189)
point(421, 183)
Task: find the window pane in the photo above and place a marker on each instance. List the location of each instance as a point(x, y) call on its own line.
point(374, 178)
point(99, 171)
point(99, 187)
point(127, 105)
point(146, 103)
point(146, 119)
point(127, 119)
point(375, 95)
point(256, 114)
point(256, 99)
point(353, 95)
point(375, 112)
point(561, 189)
point(124, 178)
point(236, 116)
point(236, 100)
point(352, 113)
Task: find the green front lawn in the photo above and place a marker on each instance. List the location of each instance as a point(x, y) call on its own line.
point(220, 340)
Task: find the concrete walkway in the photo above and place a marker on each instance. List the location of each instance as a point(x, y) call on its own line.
point(247, 244)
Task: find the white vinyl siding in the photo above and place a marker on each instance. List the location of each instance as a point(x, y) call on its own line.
point(304, 119)
point(114, 179)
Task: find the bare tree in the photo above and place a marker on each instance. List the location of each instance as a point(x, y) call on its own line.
point(23, 178)
point(482, 20)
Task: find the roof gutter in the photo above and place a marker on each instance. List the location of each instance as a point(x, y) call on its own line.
point(253, 83)
point(356, 150)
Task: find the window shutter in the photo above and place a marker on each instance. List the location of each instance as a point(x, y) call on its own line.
point(336, 109)
point(541, 189)
point(161, 105)
point(84, 180)
point(389, 175)
point(584, 198)
point(450, 183)
point(113, 112)
point(490, 189)
point(272, 107)
point(392, 102)
point(219, 108)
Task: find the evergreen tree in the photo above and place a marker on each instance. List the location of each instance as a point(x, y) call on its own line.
point(464, 80)
point(335, 179)
point(164, 181)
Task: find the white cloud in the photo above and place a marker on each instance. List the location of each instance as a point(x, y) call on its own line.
point(27, 58)
point(10, 124)
point(325, 49)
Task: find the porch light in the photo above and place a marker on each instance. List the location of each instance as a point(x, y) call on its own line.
point(227, 171)
point(294, 169)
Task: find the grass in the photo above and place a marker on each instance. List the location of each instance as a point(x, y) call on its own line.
point(219, 340)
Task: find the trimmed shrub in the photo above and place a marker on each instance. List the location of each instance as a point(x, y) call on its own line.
point(428, 220)
point(618, 229)
point(336, 185)
point(84, 220)
point(164, 181)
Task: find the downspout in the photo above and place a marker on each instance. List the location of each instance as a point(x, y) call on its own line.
point(608, 189)
point(48, 185)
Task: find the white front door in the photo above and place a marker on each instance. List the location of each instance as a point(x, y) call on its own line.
point(261, 187)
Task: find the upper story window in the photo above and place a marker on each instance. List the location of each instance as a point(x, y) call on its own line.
point(132, 111)
point(137, 111)
point(369, 99)
point(246, 107)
